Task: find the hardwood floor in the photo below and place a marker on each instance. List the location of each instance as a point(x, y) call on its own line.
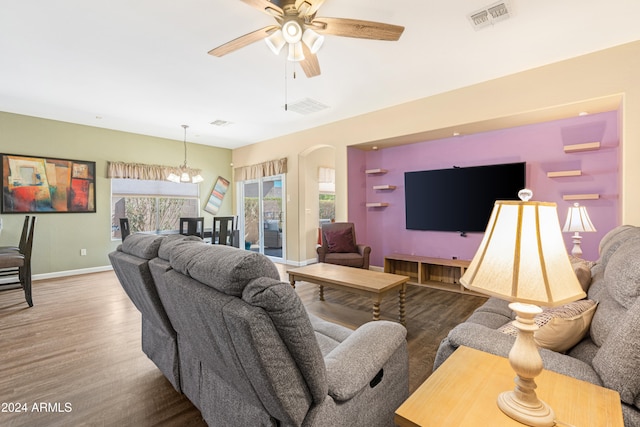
point(74, 359)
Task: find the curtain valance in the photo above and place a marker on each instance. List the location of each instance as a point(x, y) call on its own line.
point(142, 171)
point(260, 170)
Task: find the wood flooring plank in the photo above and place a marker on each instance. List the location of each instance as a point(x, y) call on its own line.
point(78, 351)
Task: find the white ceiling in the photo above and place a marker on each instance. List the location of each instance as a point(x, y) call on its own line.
point(141, 66)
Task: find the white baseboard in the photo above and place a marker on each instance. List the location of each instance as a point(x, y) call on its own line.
point(66, 273)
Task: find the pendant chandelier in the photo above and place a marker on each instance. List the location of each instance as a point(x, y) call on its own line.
point(185, 174)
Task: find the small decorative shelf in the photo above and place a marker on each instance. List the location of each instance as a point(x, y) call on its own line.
point(581, 197)
point(377, 205)
point(384, 187)
point(375, 171)
point(559, 174)
point(587, 146)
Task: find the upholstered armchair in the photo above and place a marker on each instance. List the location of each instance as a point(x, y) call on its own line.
point(339, 246)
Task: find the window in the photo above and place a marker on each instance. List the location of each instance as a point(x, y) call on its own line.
point(151, 205)
point(327, 192)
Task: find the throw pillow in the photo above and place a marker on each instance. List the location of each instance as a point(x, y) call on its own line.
point(582, 268)
point(560, 327)
point(340, 241)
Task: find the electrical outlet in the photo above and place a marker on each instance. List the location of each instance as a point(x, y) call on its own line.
point(83, 252)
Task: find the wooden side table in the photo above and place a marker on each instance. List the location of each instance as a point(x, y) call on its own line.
point(464, 389)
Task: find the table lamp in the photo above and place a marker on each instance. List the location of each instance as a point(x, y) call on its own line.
point(578, 221)
point(522, 258)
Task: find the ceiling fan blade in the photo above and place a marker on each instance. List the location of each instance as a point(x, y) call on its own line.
point(309, 64)
point(308, 7)
point(243, 41)
point(265, 6)
point(357, 28)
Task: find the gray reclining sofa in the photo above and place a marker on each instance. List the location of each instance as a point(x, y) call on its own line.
point(609, 354)
point(248, 353)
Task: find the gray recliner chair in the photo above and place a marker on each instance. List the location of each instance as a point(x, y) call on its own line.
point(263, 361)
point(131, 265)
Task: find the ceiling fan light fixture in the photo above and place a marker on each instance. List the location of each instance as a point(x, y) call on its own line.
point(292, 31)
point(313, 40)
point(295, 52)
point(276, 42)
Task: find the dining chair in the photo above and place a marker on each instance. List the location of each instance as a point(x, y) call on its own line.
point(21, 260)
point(124, 228)
point(192, 226)
point(223, 230)
point(23, 238)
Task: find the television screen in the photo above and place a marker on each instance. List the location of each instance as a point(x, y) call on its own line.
point(459, 199)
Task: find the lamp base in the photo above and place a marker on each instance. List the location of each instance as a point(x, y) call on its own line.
point(522, 404)
point(576, 251)
point(540, 415)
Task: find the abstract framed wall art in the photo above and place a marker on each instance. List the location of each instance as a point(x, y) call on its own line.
point(33, 184)
point(216, 196)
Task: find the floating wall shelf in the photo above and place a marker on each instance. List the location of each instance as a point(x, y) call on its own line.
point(375, 171)
point(581, 197)
point(587, 146)
point(384, 187)
point(559, 174)
point(377, 204)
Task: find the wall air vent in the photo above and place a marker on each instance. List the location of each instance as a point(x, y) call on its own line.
point(306, 106)
point(490, 15)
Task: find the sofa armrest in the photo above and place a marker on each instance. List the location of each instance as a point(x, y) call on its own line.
point(322, 252)
point(492, 341)
point(363, 249)
point(481, 338)
point(356, 361)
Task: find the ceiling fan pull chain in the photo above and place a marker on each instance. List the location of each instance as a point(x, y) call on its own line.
point(285, 85)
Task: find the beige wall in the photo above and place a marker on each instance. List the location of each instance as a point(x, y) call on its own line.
point(59, 237)
point(310, 161)
point(598, 75)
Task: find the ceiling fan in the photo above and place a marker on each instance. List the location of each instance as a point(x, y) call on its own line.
point(303, 32)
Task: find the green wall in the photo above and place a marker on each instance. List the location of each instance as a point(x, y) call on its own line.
point(60, 236)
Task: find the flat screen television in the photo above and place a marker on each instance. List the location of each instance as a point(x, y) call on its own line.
point(459, 199)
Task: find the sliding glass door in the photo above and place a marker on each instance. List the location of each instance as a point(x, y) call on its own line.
point(262, 210)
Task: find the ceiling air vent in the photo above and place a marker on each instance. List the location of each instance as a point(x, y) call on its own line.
point(490, 15)
point(306, 106)
point(221, 123)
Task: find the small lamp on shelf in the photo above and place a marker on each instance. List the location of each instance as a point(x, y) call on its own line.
point(578, 221)
point(522, 259)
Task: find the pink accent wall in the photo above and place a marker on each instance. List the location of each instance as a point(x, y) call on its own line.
point(540, 146)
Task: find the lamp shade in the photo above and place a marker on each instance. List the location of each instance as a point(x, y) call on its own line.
point(276, 42)
point(313, 40)
point(522, 257)
point(295, 52)
point(578, 220)
point(292, 31)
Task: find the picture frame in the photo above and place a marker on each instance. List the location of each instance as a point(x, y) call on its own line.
point(33, 184)
point(217, 195)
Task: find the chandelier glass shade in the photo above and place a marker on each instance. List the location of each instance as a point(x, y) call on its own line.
point(184, 173)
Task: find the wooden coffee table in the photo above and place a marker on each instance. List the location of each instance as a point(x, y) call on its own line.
point(373, 284)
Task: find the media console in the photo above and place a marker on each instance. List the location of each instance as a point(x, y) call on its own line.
point(438, 273)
